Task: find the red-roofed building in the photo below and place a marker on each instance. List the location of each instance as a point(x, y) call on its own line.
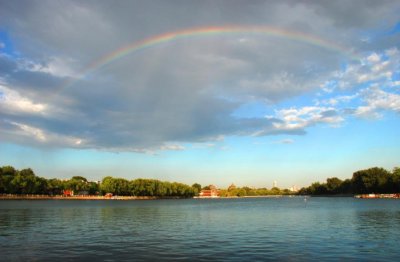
point(68, 192)
point(209, 193)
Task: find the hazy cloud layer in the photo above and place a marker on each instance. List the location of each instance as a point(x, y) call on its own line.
point(188, 90)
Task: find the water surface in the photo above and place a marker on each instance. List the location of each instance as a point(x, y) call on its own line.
point(251, 229)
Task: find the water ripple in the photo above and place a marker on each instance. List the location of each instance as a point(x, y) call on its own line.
point(201, 230)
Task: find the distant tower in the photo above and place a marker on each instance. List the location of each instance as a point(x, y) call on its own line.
point(275, 184)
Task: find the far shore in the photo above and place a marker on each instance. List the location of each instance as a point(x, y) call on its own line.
point(79, 197)
point(94, 197)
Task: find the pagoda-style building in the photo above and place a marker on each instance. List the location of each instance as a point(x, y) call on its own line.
point(213, 192)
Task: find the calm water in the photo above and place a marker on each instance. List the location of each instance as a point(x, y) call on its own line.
point(260, 229)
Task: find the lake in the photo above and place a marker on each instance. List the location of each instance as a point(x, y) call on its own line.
point(250, 229)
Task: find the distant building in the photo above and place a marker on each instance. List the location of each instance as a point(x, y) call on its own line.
point(275, 184)
point(213, 192)
point(108, 195)
point(68, 192)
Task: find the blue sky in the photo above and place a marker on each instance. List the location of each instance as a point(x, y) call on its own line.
point(245, 108)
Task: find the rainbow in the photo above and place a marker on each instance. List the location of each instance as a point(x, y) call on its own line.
point(210, 31)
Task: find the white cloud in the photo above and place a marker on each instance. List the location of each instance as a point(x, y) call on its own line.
point(56, 66)
point(337, 100)
point(30, 131)
point(203, 145)
point(33, 135)
point(392, 52)
point(2, 45)
point(172, 147)
point(395, 83)
point(374, 58)
point(373, 68)
point(376, 101)
point(12, 102)
point(300, 118)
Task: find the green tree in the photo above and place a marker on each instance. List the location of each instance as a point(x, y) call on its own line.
point(8, 173)
point(396, 179)
point(333, 185)
point(241, 192)
point(372, 180)
point(275, 191)
point(54, 186)
point(108, 185)
point(197, 188)
point(2, 182)
point(77, 184)
point(121, 187)
point(24, 182)
point(346, 187)
point(93, 188)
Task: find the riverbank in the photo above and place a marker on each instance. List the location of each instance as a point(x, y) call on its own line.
point(378, 196)
point(79, 197)
point(93, 197)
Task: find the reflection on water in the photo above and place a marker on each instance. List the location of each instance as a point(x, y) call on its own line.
point(198, 229)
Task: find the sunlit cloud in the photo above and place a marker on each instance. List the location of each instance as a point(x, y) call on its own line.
point(301, 118)
point(11, 101)
point(376, 101)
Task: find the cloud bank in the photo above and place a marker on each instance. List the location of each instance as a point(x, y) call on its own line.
point(188, 90)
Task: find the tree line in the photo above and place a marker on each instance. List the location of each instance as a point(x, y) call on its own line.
point(367, 181)
point(146, 187)
point(13, 181)
point(247, 191)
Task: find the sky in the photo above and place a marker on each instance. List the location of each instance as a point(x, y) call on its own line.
point(213, 92)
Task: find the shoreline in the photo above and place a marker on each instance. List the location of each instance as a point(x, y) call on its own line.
point(80, 197)
point(374, 196)
point(94, 197)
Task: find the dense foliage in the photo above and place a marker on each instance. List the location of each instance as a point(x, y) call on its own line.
point(12, 181)
point(25, 181)
point(146, 187)
point(372, 180)
point(247, 191)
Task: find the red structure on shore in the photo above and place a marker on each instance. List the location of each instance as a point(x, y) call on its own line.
point(378, 196)
point(68, 193)
point(209, 193)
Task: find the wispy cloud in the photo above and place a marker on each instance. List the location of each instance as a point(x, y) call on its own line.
point(35, 136)
point(284, 141)
point(13, 103)
point(377, 100)
point(301, 118)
